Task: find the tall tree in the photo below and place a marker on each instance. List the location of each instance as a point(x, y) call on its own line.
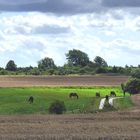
point(77, 58)
point(135, 73)
point(133, 86)
point(11, 66)
point(99, 61)
point(46, 63)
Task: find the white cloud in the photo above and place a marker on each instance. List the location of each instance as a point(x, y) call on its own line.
point(111, 36)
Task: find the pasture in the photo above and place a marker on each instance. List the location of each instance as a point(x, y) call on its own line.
point(15, 100)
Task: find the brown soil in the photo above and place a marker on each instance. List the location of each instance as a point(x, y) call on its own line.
point(20, 81)
point(136, 101)
point(99, 126)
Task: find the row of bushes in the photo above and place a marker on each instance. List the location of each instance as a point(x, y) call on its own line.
point(67, 70)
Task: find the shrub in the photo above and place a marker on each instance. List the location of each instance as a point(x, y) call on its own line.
point(101, 70)
point(4, 72)
point(135, 73)
point(57, 107)
point(133, 86)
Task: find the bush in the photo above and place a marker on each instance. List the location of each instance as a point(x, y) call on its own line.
point(133, 86)
point(57, 107)
point(101, 70)
point(3, 72)
point(35, 71)
point(136, 73)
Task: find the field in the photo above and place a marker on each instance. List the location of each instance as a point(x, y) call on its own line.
point(14, 92)
point(23, 81)
point(101, 126)
point(15, 100)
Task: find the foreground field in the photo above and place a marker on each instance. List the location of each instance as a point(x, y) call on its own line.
point(100, 126)
point(24, 81)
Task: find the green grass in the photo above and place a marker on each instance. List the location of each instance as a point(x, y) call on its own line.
point(123, 103)
point(14, 100)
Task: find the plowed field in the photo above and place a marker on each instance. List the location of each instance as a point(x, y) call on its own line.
point(100, 126)
point(19, 81)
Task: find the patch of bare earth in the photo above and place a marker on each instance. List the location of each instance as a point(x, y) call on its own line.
point(136, 101)
point(23, 81)
point(100, 126)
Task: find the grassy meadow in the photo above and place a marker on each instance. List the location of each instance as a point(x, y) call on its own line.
point(15, 100)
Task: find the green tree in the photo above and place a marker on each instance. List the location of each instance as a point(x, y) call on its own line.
point(99, 61)
point(35, 71)
point(123, 88)
point(133, 86)
point(101, 70)
point(11, 66)
point(46, 63)
point(114, 69)
point(77, 58)
point(136, 73)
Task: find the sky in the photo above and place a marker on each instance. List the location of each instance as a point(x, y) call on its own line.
point(31, 30)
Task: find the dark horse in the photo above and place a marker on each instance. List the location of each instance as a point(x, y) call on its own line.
point(31, 99)
point(73, 95)
point(97, 94)
point(107, 98)
point(112, 93)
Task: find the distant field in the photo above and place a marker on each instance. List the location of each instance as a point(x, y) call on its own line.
point(14, 100)
point(24, 81)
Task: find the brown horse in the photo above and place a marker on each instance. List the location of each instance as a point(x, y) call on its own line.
point(73, 95)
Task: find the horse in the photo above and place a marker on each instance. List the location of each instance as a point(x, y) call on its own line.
point(107, 97)
point(73, 95)
point(112, 93)
point(31, 99)
point(97, 94)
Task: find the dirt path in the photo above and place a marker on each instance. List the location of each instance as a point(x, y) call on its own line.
point(136, 101)
point(102, 103)
point(112, 99)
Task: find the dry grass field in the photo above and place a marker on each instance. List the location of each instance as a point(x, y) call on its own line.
point(120, 125)
point(20, 81)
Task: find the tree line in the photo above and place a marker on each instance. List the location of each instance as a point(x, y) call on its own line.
point(78, 62)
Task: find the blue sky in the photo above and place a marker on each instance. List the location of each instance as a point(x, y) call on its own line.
point(30, 31)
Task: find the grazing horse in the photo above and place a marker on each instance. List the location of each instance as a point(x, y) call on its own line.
point(112, 93)
point(97, 94)
point(31, 99)
point(107, 97)
point(73, 95)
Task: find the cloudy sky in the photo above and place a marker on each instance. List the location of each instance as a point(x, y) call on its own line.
point(33, 29)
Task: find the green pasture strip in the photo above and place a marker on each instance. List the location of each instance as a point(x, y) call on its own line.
point(123, 103)
point(15, 100)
